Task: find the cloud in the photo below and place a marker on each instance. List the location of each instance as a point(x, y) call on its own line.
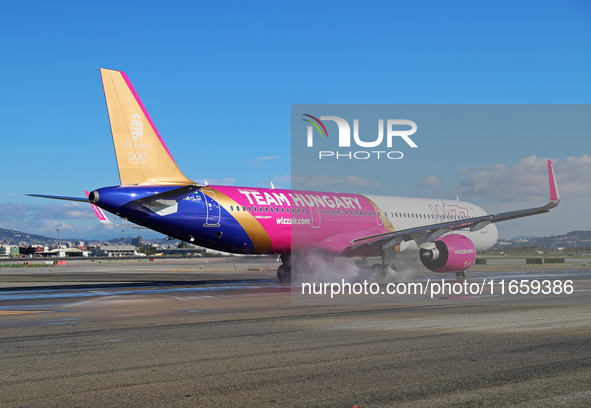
point(264, 158)
point(75, 221)
point(10, 212)
point(332, 182)
point(225, 181)
point(45, 219)
point(65, 211)
point(282, 181)
point(286, 178)
point(432, 182)
point(264, 161)
point(527, 180)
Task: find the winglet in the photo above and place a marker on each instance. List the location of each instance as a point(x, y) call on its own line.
point(554, 194)
point(99, 213)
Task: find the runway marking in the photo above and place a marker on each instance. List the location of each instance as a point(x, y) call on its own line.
point(15, 312)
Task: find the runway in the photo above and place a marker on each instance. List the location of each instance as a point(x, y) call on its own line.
point(225, 333)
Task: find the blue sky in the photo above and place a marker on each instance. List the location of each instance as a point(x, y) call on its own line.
point(219, 80)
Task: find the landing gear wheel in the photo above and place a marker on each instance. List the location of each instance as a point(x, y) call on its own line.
point(383, 273)
point(377, 268)
point(462, 275)
point(284, 274)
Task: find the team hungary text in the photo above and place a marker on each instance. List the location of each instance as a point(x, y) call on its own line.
point(392, 130)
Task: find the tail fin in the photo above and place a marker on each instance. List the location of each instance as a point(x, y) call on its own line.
point(142, 156)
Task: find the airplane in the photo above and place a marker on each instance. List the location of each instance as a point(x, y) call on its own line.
point(155, 194)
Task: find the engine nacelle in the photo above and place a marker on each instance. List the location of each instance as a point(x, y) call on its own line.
point(452, 253)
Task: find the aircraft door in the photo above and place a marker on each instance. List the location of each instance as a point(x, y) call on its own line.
point(315, 217)
point(212, 207)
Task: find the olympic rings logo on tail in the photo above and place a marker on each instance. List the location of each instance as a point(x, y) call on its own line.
point(137, 158)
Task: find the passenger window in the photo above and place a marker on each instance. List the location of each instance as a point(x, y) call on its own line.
point(303, 210)
point(266, 209)
point(255, 209)
point(237, 208)
point(282, 210)
point(231, 208)
point(243, 208)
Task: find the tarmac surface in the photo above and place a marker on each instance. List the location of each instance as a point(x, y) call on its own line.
point(224, 332)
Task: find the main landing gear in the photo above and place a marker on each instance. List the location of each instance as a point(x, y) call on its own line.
point(382, 272)
point(386, 268)
point(462, 275)
point(284, 270)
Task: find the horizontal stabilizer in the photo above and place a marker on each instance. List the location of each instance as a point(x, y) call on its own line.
point(164, 203)
point(79, 199)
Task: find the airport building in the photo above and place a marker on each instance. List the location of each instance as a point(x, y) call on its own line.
point(116, 251)
point(9, 250)
point(33, 250)
point(65, 252)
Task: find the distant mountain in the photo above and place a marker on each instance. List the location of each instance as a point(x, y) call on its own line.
point(12, 237)
point(127, 241)
point(524, 237)
point(573, 239)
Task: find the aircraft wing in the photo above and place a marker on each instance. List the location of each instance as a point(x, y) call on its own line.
point(341, 242)
point(428, 233)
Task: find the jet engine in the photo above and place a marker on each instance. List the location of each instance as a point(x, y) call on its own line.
point(452, 253)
